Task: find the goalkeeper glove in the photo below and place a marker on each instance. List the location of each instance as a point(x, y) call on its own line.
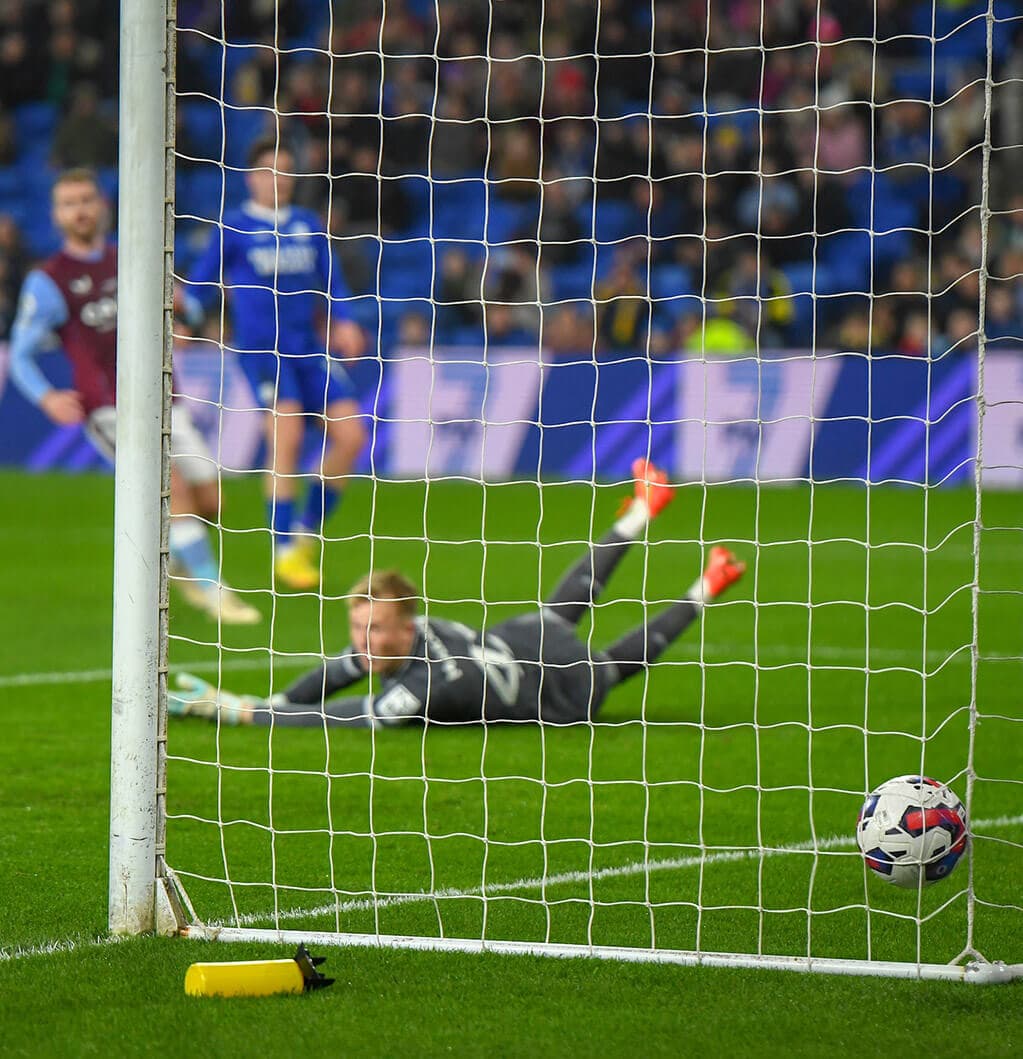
point(194, 697)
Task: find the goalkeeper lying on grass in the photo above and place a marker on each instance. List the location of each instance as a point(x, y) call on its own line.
point(533, 667)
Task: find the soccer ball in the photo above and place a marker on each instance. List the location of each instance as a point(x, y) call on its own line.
point(912, 831)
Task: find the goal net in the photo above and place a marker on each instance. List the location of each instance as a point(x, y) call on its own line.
point(773, 248)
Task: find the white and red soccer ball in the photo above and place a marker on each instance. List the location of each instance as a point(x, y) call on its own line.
point(912, 831)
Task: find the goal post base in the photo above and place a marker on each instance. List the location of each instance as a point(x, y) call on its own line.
point(170, 918)
point(976, 972)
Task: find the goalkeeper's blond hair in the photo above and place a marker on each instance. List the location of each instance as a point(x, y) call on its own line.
point(387, 585)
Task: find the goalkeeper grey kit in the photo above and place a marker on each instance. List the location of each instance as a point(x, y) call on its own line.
point(531, 668)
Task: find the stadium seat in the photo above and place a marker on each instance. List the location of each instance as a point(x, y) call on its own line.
point(847, 256)
point(40, 236)
point(204, 121)
point(507, 221)
point(417, 191)
point(108, 180)
point(892, 213)
point(199, 190)
point(11, 185)
point(196, 191)
point(244, 125)
point(613, 220)
point(802, 277)
point(914, 82)
point(670, 309)
point(458, 209)
point(670, 281)
point(960, 31)
point(406, 269)
point(33, 159)
point(35, 122)
point(571, 281)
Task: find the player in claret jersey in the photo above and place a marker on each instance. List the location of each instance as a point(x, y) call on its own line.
point(273, 263)
point(533, 667)
point(74, 295)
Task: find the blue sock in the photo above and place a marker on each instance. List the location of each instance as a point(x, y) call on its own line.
point(319, 506)
point(190, 547)
point(278, 516)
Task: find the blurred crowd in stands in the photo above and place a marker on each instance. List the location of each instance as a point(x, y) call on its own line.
point(615, 177)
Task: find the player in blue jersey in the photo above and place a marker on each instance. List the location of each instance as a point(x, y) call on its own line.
point(273, 263)
point(73, 295)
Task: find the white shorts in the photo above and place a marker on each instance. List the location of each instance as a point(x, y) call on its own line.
point(189, 455)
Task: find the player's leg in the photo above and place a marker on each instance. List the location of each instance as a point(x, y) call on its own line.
point(328, 392)
point(278, 391)
point(195, 499)
point(637, 649)
point(192, 564)
point(581, 585)
point(293, 560)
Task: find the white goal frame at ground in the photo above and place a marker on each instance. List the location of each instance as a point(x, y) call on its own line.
point(145, 895)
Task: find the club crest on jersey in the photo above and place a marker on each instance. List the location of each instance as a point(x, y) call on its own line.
point(81, 285)
point(397, 703)
point(101, 315)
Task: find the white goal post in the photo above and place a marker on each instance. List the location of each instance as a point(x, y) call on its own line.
point(702, 824)
point(145, 220)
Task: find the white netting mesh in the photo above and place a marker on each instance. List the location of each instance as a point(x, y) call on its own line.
point(768, 246)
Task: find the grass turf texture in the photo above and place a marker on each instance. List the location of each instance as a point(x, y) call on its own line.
point(732, 745)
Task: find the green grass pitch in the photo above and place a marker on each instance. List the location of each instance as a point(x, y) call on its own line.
point(645, 827)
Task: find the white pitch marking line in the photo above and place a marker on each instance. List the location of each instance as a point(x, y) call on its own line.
point(790, 654)
point(618, 871)
point(99, 676)
point(47, 948)
point(365, 904)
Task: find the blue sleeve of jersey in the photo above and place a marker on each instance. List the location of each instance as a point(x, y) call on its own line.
point(41, 310)
point(204, 282)
point(333, 280)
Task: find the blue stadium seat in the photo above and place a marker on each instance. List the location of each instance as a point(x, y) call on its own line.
point(35, 122)
point(41, 237)
point(219, 62)
point(198, 192)
point(802, 278)
point(199, 189)
point(406, 269)
point(960, 31)
point(417, 191)
point(892, 213)
point(108, 181)
point(12, 184)
point(33, 158)
point(458, 208)
point(507, 221)
point(670, 281)
point(848, 258)
point(914, 82)
point(204, 121)
point(671, 309)
point(571, 281)
point(244, 125)
point(612, 221)
point(607, 254)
